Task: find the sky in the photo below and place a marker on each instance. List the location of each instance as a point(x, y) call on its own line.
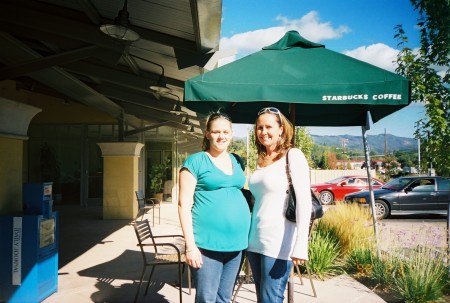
point(361, 29)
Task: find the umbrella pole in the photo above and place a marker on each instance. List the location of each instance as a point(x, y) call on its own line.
point(372, 198)
point(292, 119)
point(290, 287)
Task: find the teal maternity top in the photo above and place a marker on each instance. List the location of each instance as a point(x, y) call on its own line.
point(220, 215)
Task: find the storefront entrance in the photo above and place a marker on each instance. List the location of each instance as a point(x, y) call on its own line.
point(68, 156)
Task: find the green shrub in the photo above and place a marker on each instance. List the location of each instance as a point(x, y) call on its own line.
point(364, 262)
point(344, 239)
point(324, 253)
point(359, 261)
point(422, 276)
point(383, 269)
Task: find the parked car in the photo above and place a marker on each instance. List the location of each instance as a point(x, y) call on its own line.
point(407, 195)
point(336, 189)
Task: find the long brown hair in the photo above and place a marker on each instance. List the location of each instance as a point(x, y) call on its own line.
point(284, 143)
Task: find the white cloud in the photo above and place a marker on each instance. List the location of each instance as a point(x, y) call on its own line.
point(309, 26)
point(378, 54)
point(312, 28)
point(226, 60)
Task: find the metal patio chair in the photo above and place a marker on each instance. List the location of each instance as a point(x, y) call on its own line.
point(147, 204)
point(247, 278)
point(155, 253)
point(296, 269)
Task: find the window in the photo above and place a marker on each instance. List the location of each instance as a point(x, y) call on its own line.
point(443, 184)
point(422, 185)
point(424, 188)
point(351, 181)
point(361, 181)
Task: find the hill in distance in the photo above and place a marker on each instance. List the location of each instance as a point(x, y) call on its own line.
point(376, 142)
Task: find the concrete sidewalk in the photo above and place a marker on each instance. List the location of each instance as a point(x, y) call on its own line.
point(100, 262)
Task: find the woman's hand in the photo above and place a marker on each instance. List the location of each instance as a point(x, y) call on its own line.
point(298, 261)
point(194, 257)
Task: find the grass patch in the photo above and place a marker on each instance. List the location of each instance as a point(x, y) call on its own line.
point(422, 276)
point(324, 252)
point(406, 267)
point(359, 262)
point(351, 225)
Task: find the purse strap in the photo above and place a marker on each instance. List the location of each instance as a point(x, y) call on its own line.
point(240, 161)
point(288, 172)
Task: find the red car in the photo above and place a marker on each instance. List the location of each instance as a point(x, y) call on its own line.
point(336, 189)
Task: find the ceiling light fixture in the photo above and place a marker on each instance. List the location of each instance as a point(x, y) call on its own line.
point(120, 29)
point(186, 120)
point(177, 109)
point(161, 85)
point(191, 130)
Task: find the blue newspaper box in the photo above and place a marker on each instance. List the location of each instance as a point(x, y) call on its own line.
point(29, 248)
point(28, 257)
point(37, 198)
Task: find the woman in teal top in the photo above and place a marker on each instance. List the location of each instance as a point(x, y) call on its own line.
point(213, 213)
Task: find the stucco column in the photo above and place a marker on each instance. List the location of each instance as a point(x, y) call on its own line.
point(15, 118)
point(120, 179)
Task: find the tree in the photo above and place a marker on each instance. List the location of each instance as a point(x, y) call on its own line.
point(391, 167)
point(373, 164)
point(318, 156)
point(331, 160)
point(304, 141)
point(428, 70)
point(253, 156)
point(406, 158)
point(323, 161)
point(239, 146)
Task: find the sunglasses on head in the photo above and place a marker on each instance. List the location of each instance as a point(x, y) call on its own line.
point(272, 110)
point(217, 115)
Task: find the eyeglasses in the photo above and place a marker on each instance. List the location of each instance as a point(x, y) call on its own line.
point(272, 110)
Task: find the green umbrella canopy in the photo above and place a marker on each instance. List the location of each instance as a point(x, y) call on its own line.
point(326, 87)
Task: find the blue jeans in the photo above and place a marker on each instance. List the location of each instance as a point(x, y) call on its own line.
point(270, 276)
point(215, 280)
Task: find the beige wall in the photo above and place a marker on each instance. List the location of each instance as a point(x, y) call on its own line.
point(120, 181)
point(50, 109)
point(11, 151)
point(55, 110)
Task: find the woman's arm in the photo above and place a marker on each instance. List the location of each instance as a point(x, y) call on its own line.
point(300, 179)
point(185, 203)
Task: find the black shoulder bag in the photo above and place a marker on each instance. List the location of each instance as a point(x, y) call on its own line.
point(316, 210)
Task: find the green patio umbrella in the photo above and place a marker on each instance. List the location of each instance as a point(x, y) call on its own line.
point(326, 87)
point(312, 85)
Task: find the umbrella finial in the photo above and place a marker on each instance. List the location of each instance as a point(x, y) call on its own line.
point(292, 39)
